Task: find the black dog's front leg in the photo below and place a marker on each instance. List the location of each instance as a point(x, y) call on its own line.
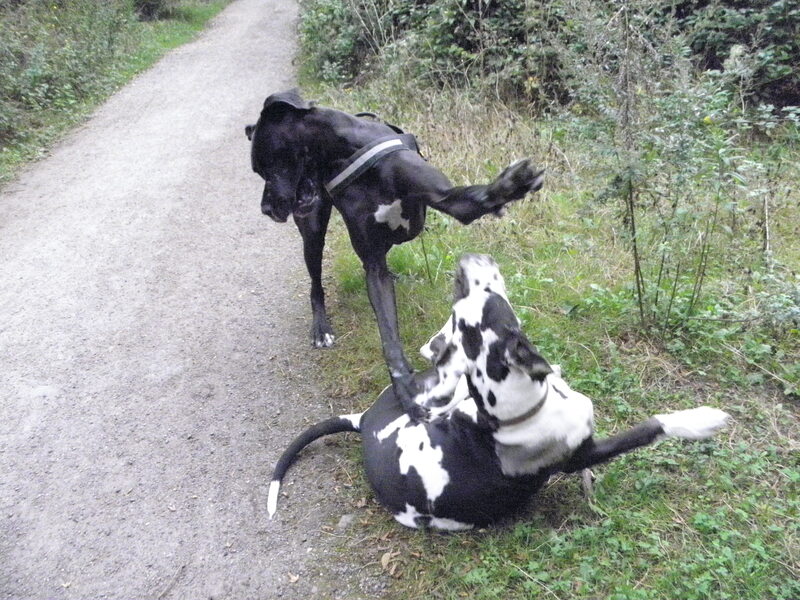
point(313, 228)
point(472, 202)
point(380, 289)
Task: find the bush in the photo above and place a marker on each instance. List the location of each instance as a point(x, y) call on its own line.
point(520, 50)
point(756, 42)
point(50, 55)
point(153, 9)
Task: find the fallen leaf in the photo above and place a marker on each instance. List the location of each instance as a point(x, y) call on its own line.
point(387, 558)
point(293, 578)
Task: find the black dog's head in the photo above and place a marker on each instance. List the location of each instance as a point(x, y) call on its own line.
point(276, 154)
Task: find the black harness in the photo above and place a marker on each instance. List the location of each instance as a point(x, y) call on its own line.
point(364, 158)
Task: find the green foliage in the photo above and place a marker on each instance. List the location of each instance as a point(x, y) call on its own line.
point(330, 40)
point(658, 266)
point(58, 58)
point(154, 9)
point(755, 43)
point(50, 54)
point(535, 51)
point(704, 521)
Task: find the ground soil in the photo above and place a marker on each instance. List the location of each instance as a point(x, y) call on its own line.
point(154, 349)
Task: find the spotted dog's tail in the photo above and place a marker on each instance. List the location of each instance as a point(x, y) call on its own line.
point(692, 424)
point(339, 424)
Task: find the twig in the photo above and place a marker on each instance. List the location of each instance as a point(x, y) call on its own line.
point(172, 583)
point(527, 575)
point(741, 355)
point(425, 254)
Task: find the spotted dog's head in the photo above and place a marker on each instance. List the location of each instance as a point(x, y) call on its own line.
point(277, 155)
point(475, 273)
point(482, 340)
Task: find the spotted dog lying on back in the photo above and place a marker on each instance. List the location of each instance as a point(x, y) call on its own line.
point(505, 420)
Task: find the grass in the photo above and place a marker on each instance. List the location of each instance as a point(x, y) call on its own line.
point(718, 519)
point(142, 43)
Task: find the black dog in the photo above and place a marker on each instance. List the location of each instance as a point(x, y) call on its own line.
point(314, 158)
point(507, 421)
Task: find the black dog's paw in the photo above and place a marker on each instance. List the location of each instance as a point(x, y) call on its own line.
point(514, 182)
point(322, 336)
point(406, 389)
point(418, 413)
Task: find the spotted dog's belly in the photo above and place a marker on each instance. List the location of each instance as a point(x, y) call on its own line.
point(443, 473)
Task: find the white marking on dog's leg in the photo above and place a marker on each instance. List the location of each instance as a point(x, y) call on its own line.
point(693, 424)
point(457, 402)
point(272, 497)
point(325, 342)
point(408, 517)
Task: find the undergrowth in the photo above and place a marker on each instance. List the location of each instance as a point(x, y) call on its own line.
point(58, 60)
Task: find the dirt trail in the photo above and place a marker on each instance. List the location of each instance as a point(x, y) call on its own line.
point(153, 347)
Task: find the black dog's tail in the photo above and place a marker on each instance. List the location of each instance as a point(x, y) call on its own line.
point(692, 424)
point(330, 426)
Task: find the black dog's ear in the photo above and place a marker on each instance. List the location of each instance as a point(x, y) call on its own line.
point(524, 355)
point(248, 131)
point(280, 103)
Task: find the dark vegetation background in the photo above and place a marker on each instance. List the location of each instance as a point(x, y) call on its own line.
point(528, 50)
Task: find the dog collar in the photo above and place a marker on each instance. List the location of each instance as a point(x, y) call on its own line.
point(527, 414)
point(366, 157)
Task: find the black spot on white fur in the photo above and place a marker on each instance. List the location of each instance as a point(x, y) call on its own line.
point(471, 339)
point(496, 367)
point(474, 393)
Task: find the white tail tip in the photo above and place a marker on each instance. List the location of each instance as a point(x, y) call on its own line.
point(695, 423)
point(272, 497)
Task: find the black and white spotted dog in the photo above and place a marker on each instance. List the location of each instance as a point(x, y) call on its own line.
point(504, 420)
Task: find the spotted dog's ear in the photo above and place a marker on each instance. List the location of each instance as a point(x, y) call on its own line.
point(460, 286)
point(521, 353)
point(277, 104)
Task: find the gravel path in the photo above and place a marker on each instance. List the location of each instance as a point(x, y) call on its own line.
point(153, 348)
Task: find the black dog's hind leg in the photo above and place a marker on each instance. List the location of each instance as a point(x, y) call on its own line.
point(313, 228)
point(380, 289)
point(592, 451)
